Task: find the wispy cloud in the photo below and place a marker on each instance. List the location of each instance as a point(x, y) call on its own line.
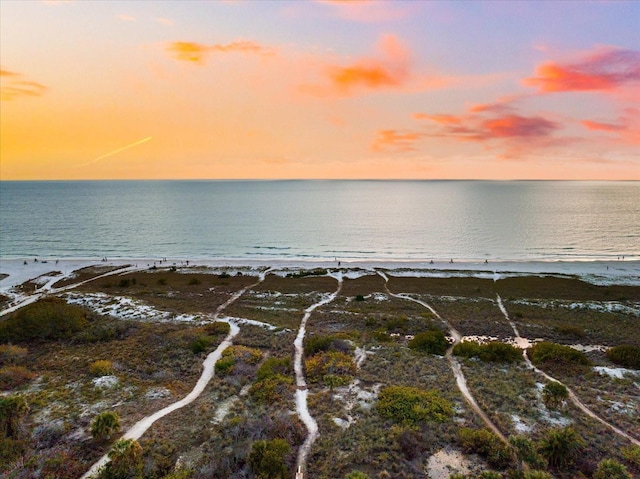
point(198, 52)
point(14, 85)
point(626, 128)
point(164, 21)
point(606, 69)
point(126, 18)
point(396, 141)
point(389, 69)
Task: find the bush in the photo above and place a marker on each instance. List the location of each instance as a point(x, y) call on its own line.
point(611, 469)
point(272, 389)
point(632, 454)
point(126, 460)
point(267, 459)
point(554, 393)
point(50, 318)
point(202, 344)
point(102, 367)
point(359, 298)
point(14, 376)
point(559, 446)
point(124, 283)
point(356, 475)
point(486, 444)
point(526, 451)
point(432, 342)
point(219, 328)
point(412, 406)
point(557, 356)
point(494, 351)
point(316, 344)
point(273, 366)
point(333, 368)
point(625, 355)
point(104, 425)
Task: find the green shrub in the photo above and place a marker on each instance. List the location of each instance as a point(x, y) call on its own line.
point(105, 425)
point(494, 351)
point(537, 475)
point(202, 344)
point(526, 451)
point(14, 376)
point(559, 446)
point(467, 349)
point(490, 475)
point(102, 367)
point(48, 319)
point(272, 389)
point(224, 275)
point(124, 283)
point(632, 454)
point(315, 344)
point(356, 475)
point(412, 406)
point(557, 356)
point(332, 368)
point(432, 342)
point(219, 328)
point(273, 366)
point(126, 460)
point(267, 459)
point(381, 336)
point(487, 444)
point(225, 365)
point(611, 469)
point(554, 393)
point(625, 355)
point(359, 298)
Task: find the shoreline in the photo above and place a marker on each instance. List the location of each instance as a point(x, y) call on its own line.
point(600, 272)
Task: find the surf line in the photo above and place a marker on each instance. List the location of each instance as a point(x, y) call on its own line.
point(579, 404)
point(301, 383)
point(461, 381)
point(208, 370)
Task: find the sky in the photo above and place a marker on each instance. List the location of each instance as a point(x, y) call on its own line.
point(323, 89)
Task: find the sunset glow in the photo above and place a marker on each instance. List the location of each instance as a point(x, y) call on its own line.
point(319, 89)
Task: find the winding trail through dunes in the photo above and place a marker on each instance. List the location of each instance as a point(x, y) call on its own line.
point(301, 384)
point(579, 404)
point(461, 381)
point(208, 369)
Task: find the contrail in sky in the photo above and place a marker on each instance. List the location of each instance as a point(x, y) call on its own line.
point(115, 152)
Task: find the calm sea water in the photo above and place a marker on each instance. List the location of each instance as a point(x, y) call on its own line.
point(386, 220)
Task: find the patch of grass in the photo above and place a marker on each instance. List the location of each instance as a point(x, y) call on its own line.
point(101, 367)
point(487, 444)
point(12, 377)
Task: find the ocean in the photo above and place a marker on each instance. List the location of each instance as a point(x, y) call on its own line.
point(323, 220)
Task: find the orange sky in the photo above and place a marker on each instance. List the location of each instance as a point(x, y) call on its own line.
point(319, 89)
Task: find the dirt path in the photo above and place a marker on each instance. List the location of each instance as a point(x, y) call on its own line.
point(461, 381)
point(208, 370)
point(301, 384)
point(579, 404)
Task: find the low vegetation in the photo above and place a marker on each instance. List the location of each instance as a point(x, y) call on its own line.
point(493, 352)
point(625, 355)
point(432, 342)
point(412, 406)
point(48, 319)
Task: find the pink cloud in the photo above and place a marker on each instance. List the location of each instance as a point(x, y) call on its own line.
point(603, 70)
point(598, 126)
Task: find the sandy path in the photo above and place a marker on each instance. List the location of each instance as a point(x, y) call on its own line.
point(461, 381)
point(301, 383)
point(47, 289)
point(208, 370)
point(572, 395)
